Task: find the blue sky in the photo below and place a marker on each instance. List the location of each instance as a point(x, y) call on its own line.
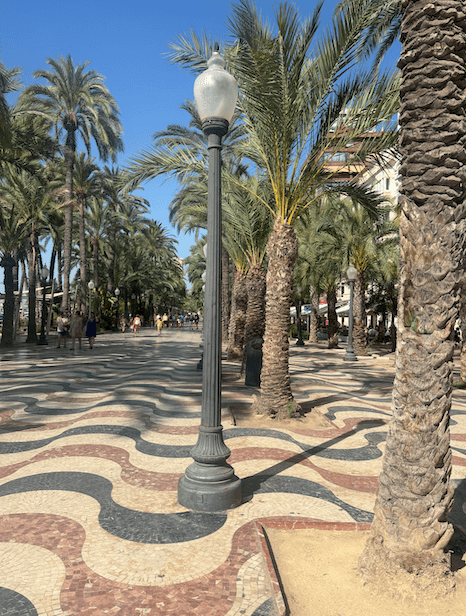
point(125, 42)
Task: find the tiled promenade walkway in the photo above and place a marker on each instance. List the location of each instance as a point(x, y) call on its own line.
point(92, 444)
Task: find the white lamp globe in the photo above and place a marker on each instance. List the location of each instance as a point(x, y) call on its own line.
point(352, 273)
point(215, 90)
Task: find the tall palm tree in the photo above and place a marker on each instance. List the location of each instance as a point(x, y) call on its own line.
point(297, 103)
point(76, 103)
point(33, 198)
point(410, 530)
point(351, 234)
point(13, 231)
point(86, 184)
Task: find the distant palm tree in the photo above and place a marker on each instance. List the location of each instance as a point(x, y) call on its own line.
point(13, 231)
point(74, 102)
point(87, 184)
point(33, 199)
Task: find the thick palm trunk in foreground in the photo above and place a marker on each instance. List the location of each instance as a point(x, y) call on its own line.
point(276, 397)
point(410, 529)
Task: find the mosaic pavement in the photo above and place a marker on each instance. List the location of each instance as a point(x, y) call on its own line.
point(93, 443)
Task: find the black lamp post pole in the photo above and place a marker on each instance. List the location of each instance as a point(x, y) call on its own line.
point(209, 483)
point(43, 339)
point(349, 355)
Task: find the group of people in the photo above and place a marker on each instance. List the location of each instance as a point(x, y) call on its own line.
point(76, 330)
point(134, 323)
point(159, 321)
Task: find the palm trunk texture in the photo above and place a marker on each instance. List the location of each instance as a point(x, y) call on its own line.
point(276, 398)
point(314, 323)
point(82, 259)
point(239, 304)
point(255, 315)
point(70, 148)
point(410, 528)
point(359, 314)
point(9, 304)
point(332, 319)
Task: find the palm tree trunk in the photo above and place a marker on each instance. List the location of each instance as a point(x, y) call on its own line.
point(276, 398)
point(332, 319)
point(314, 324)
point(31, 258)
point(70, 148)
point(8, 263)
point(359, 313)
point(255, 314)
point(225, 294)
point(82, 257)
point(239, 303)
point(410, 528)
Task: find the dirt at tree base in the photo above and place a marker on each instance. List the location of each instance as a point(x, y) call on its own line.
point(246, 416)
point(320, 575)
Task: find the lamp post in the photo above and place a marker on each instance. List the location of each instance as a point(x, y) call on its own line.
point(299, 341)
point(117, 294)
point(43, 339)
point(351, 274)
point(90, 286)
point(209, 483)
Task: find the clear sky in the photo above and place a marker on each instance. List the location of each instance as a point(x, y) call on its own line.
point(125, 42)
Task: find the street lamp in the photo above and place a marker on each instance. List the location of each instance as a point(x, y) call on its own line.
point(90, 286)
point(351, 274)
point(209, 483)
point(43, 339)
point(299, 341)
point(117, 293)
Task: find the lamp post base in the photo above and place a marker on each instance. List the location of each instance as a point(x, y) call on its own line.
point(299, 342)
point(209, 488)
point(350, 356)
point(42, 341)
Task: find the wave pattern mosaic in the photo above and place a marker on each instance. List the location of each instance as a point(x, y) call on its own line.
point(93, 443)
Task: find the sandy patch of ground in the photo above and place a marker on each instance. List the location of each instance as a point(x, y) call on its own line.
point(319, 573)
point(312, 420)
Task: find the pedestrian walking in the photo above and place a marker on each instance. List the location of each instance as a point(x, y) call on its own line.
point(136, 323)
point(159, 324)
point(61, 330)
point(91, 330)
point(76, 329)
point(123, 323)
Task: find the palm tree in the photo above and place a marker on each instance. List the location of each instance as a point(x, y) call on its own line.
point(12, 235)
point(351, 234)
point(292, 100)
point(86, 185)
point(75, 103)
point(410, 530)
point(33, 198)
